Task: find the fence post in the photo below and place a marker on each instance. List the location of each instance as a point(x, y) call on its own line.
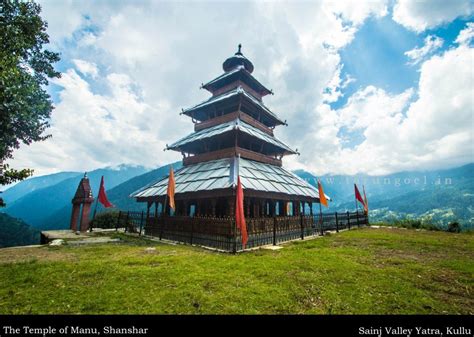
point(141, 223)
point(126, 222)
point(357, 217)
point(348, 220)
point(118, 221)
point(302, 226)
point(337, 224)
point(321, 224)
point(234, 248)
point(274, 230)
point(192, 231)
point(162, 216)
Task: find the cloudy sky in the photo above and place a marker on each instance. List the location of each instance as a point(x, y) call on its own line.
point(367, 87)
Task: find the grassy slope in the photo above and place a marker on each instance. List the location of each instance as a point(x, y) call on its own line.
point(361, 271)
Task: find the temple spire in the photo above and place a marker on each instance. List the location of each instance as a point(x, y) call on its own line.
point(236, 60)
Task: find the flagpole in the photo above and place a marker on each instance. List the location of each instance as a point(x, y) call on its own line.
point(95, 208)
point(163, 211)
point(355, 197)
point(321, 217)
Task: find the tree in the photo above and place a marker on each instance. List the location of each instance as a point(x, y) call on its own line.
point(25, 67)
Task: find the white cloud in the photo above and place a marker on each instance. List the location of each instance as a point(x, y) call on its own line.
point(432, 43)
point(357, 11)
point(86, 68)
point(466, 35)
point(434, 130)
point(371, 106)
point(91, 130)
point(421, 15)
point(63, 17)
point(153, 57)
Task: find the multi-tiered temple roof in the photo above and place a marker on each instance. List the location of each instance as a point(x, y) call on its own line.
point(233, 136)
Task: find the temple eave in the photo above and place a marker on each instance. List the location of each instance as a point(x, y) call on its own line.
point(230, 192)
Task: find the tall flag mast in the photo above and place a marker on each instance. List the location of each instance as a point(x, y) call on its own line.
point(366, 202)
point(102, 198)
point(358, 197)
point(239, 213)
point(170, 191)
point(322, 201)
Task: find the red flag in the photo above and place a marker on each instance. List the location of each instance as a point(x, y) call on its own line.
point(358, 196)
point(239, 212)
point(102, 196)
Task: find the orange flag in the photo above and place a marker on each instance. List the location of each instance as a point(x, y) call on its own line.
point(239, 212)
point(322, 196)
point(171, 187)
point(366, 202)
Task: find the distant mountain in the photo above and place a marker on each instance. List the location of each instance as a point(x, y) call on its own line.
point(119, 196)
point(37, 207)
point(35, 183)
point(439, 196)
point(15, 232)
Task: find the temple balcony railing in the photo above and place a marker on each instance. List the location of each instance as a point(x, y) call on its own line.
point(230, 117)
point(231, 152)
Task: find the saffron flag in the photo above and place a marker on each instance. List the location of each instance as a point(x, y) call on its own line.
point(358, 196)
point(239, 212)
point(171, 187)
point(103, 196)
point(366, 202)
point(322, 196)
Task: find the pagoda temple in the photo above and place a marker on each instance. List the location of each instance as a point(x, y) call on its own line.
point(233, 136)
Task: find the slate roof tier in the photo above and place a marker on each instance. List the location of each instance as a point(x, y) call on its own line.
point(237, 74)
point(222, 174)
point(201, 111)
point(236, 124)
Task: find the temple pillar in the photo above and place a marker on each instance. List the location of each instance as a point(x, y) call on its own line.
point(213, 207)
point(231, 206)
point(247, 207)
point(185, 207)
point(148, 205)
point(85, 213)
point(75, 214)
point(272, 207)
point(198, 207)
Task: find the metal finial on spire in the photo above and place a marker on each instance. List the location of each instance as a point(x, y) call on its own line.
point(240, 47)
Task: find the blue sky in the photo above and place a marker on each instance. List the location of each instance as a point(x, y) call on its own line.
point(385, 86)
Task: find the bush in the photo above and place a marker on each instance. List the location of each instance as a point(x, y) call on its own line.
point(416, 224)
point(105, 220)
point(454, 227)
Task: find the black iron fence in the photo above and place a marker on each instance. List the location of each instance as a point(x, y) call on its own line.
point(221, 232)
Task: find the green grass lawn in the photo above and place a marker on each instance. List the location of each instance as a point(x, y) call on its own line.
point(364, 271)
